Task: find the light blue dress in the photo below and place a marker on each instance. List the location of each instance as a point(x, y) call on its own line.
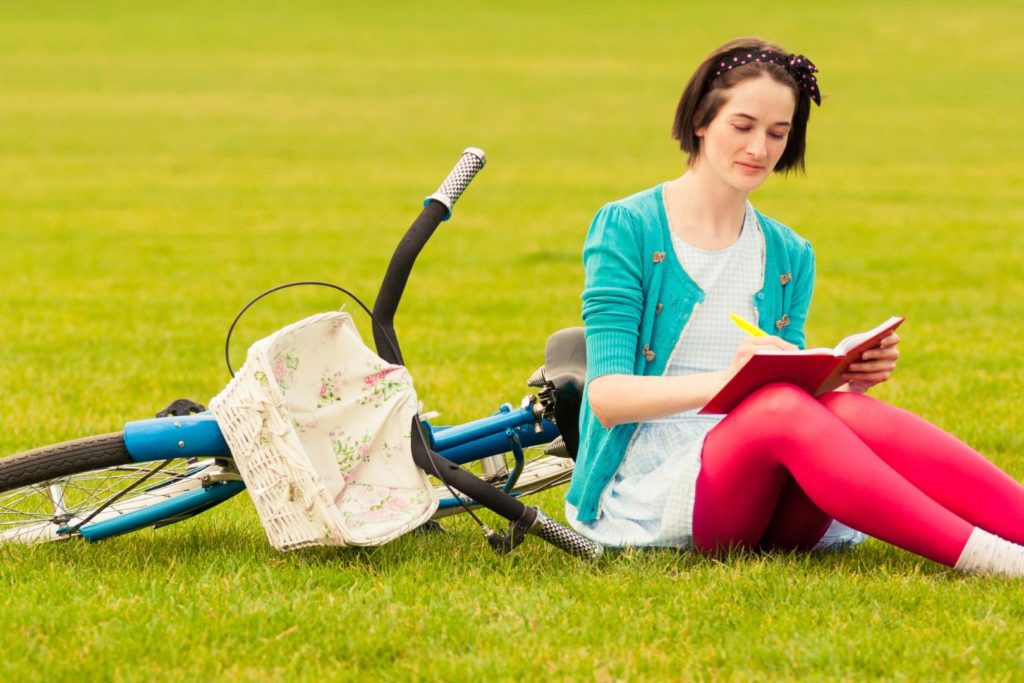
point(649, 501)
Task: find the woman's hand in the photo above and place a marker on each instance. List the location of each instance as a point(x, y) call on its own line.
point(752, 345)
point(875, 365)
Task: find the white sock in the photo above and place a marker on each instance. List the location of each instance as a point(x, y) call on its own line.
point(986, 553)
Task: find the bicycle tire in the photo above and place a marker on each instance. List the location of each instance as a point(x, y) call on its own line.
point(62, 459)
point(48, 492)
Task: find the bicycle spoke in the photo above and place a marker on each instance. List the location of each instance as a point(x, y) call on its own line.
point(78, 498)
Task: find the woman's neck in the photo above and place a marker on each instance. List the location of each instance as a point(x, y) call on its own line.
point(703, 211)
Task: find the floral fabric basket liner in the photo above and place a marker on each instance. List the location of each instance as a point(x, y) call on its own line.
point(319, 427)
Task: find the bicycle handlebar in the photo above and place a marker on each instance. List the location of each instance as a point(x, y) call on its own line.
point(472, 160)
point(562, 537)
point(436, 208)
point(526, 519)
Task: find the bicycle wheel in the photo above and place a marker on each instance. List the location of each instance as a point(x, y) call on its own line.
point(62, 491)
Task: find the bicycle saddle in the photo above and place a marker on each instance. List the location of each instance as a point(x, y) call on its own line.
point(565, 359)
point(565, 370)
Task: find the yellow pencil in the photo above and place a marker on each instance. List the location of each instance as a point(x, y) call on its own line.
point(747, 327)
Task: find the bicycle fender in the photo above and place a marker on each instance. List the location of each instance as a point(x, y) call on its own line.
point(163, 438)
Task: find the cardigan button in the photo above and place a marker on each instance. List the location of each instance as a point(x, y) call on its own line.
point(782, 322)
point(785, 278)
point(648, 354)
point(657, 309)
point(659, 256)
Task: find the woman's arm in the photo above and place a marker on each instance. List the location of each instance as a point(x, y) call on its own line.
point(613, 292)
point(619, 399)
point(613, 299)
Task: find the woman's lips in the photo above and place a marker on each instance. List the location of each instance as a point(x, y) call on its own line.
point(749, 167)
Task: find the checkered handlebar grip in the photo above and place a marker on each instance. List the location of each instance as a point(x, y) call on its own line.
point(564, 538)
point(470, 163)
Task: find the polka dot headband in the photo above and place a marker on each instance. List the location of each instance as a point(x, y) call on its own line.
point(798, 66)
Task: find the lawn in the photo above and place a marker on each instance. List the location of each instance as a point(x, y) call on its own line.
point(162, 163)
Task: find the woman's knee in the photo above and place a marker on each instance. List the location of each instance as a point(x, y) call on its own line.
point(846, 405)
point(778, 402)
point(780, 411)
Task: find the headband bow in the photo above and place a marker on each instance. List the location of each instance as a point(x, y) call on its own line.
point(799, 67)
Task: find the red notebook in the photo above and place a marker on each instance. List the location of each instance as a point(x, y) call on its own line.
point(813, 370)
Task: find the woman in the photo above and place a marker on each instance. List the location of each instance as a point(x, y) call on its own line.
point(664, 268)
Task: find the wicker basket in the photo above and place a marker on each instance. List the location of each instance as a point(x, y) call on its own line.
point(319, 427)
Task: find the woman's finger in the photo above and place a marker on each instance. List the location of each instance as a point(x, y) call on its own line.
point(887, 353)
point(774, 342)
point(890, 340)
point(872, 366)
point(867, 377)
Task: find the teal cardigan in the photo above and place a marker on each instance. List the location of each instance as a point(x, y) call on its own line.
point(637, 300)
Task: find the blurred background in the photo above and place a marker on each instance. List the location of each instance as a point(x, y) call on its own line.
point(163, 163)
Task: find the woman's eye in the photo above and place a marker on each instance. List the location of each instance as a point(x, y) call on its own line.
point(777, 136)
point(741, 128)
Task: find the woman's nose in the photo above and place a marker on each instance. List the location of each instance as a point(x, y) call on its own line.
point(758, 146)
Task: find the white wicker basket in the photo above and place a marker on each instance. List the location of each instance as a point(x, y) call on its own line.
point(319, 426)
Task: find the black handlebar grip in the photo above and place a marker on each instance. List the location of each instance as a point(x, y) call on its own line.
point(564, 538)
point(470, 163)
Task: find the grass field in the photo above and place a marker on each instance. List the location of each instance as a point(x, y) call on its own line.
point(161, 163)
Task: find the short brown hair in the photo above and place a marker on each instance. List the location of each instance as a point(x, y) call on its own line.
point(705, 94)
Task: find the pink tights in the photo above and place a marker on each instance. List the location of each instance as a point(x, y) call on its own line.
point(783, 464)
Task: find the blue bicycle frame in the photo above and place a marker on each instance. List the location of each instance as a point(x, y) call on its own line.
point(199, 436)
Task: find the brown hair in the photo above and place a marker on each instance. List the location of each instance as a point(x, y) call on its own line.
point(705, 94)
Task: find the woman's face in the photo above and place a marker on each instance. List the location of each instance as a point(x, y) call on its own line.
point(747, 137)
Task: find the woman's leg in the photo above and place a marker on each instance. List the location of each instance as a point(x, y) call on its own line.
point(796, 523)
point(944, 468)
point(780, 432)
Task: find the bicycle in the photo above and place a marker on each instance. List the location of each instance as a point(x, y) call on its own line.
point(167, 469)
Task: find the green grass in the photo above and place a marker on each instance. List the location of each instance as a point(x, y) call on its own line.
point(162, 163)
